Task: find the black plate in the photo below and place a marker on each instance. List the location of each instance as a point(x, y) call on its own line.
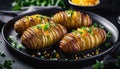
point(8, 30)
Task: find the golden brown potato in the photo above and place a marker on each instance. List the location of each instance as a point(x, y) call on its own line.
point(42, 35)
point(22, 24)
point(71, 19)
point(82, 39)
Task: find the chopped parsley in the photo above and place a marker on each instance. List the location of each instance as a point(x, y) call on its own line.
point(37, 16)
point(107, 44)
point(81, 32)
point(69, 12)
point(47, 25)
point(14, 42)
point(39, 26)
point(43, 26)
point(2, 54)
point(98, 65)
point(118, 62)
point(95, 25)
point(109, 35)
point(90, 30)
point(101, 26)
point(41, 17)
point(27, 17)
point(74, 31)
point(7, 64)
point(83, 27)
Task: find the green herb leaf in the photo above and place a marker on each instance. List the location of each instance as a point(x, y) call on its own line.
point(118, 62)
point(107, 44)
point(27, 17)
point(109, 35)
point(98, 65)
point(69, 12)
point(100, 26)
point(90, 30)
point(8, 64)
point(74, 31)
point(39, 26)
point(47, 25)
point(2, 54)
point(19, 46)
point(95, 25)
point(1, 66)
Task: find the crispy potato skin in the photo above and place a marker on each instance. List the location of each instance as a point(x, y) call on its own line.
point(82, 39)
point(22, 24)
point(72, 21)
point(38, 38)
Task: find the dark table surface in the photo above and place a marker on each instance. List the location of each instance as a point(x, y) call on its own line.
point(109, 9)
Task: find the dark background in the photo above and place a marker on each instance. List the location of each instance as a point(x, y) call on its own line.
point(109, 9)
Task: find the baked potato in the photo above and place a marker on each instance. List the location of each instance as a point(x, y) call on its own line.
point(42, 35)
point(71, 19)
point(82, 39)
point(22, 24)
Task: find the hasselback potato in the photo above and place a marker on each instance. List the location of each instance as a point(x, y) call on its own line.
point(42, 35)
point(22, 24)
point(82, 39)
point(71, 19)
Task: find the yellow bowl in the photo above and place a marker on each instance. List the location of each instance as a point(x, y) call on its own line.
point(80, 5)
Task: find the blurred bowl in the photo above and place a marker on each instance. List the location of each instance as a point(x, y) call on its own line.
point(80, 7)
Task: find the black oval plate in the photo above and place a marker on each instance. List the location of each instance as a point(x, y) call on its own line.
point(49, 54)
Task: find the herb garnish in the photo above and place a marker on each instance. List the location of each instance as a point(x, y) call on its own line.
point(98, 65)
point(47, 25)
point(109, 35)
point(90, 30)
point(107, 44)
point(44, 26)
point(18, 4)
point(2, 54)
point(27, 17)
point(118, 63)
point(14, 43)
point(69, 12)
point(7, 64)
point(74, 31)
point(38, 26)
point(95, 25)
point(41, 17)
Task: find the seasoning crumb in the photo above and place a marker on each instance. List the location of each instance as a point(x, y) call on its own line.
point(44, 52)
point(97, 52)
point(42, 57)
point(88, 54)
point(38, 53)
point(33, 55)
point(93, 53)
point(54, 51)
point(84, 56)
point(57, 55)
point(66, 59)
point(76, 58)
